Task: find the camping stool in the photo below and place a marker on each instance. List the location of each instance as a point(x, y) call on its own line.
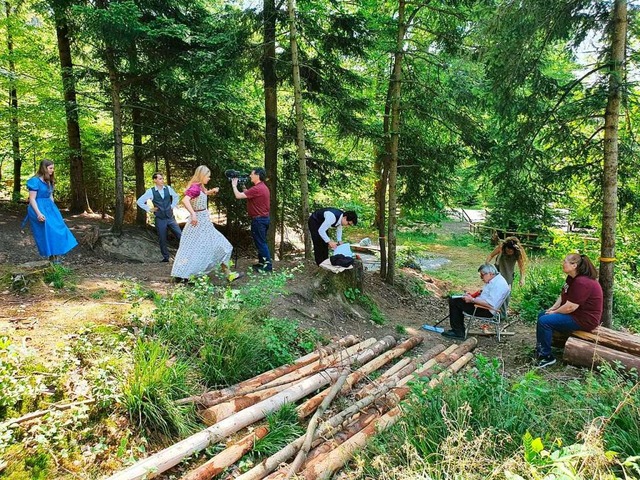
point(496, 319)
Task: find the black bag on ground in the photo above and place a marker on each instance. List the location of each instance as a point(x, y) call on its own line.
point(341, 260)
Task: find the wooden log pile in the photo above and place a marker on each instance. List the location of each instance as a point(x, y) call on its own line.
point(591, 349)
point(332, 436)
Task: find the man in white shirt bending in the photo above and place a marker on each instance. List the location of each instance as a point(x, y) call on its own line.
point(320, 221)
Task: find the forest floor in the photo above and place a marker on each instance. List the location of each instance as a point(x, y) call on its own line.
point(46, 318)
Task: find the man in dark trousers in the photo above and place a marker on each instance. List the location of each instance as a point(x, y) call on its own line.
point(164, 200)
point(258, 206)
point(320, 221)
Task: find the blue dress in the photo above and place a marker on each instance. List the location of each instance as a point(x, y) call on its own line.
point(52, 236)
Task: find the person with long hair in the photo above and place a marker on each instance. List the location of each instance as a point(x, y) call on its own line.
point(202, 247)
point(51, 235)
point(509, 253)
point(579, 306)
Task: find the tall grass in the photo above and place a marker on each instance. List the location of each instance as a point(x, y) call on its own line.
point(482, 425)
point(150, 391)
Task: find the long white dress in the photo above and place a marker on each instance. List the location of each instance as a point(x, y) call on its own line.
point(202, 247)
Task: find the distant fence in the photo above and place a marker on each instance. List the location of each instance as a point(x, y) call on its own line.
point(528, 239)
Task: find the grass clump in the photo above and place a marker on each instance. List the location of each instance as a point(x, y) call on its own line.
point(58, 276)
point(284, 428)
point(354, 295)
point(150, 391)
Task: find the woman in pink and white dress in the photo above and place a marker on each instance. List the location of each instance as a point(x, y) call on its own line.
point(202, 247)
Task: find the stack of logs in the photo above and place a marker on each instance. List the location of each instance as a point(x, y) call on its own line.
point(590, 349)
point(342, 368)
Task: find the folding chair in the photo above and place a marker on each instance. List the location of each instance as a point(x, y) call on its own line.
point(496, 319)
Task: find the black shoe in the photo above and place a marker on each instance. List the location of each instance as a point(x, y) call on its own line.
point(164, 260)
point(546, 361)
point(262, 267)
point(453, 334)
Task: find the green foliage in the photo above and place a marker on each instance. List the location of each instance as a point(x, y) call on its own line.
point(480, 420)
point(223, 332)
point(59, 276)
point(284, 339)
point(284, 427)
point(150, 391)
point(540, 291)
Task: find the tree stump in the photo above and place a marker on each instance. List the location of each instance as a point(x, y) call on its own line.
point(328, 283)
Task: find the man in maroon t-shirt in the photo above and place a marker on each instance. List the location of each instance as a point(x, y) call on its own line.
point(258, 205)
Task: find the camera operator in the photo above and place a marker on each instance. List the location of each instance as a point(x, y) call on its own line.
point(258, 205)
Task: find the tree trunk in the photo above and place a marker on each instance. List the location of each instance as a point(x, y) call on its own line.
point(381, 192)
point(610, 173)
point(138, 156)
point(118, 218)
point(271, 114)
point(300, 144)
point(14, 130)
point(396, 84)
point(586, 354)
point(79, 201)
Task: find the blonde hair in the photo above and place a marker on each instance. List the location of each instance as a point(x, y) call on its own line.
point(198, 177)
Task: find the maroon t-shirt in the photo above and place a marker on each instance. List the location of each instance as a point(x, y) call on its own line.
point(587, 293)
point(258, 200)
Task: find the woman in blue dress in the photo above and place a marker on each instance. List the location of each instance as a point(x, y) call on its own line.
point(51, 234)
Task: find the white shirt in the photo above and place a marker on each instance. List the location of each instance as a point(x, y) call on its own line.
point(148, 195)
point(329, 221)
point(495, 291)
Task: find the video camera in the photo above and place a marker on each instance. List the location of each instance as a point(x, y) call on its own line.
point(231, 174)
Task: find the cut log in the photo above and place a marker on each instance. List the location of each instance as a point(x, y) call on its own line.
point(406, 372)
point(375, 363)
point(586, 354)
point(227, 457)
point(223, 410)
point(335, 359)
point(621, 341)
point(251, 385)
point(171, 456)
point(313, 423)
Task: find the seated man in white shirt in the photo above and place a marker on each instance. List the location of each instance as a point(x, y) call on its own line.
point(164, 200)
point(488, 302)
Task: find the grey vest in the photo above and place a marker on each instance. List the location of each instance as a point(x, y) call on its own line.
point(162, 204)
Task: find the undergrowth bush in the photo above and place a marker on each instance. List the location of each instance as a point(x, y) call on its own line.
point(539, 292)
point(225, 332)
point(481, 424)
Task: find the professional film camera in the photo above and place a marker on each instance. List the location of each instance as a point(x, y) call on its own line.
point(231, 174)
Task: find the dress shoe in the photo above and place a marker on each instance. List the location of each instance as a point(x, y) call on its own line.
point(453, 334)
point(164, 260)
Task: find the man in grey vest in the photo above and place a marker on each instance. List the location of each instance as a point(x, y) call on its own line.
point(164, 200)
point(320, 221)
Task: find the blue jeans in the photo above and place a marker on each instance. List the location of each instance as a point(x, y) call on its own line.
point(547, 323)
point(259, 227)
